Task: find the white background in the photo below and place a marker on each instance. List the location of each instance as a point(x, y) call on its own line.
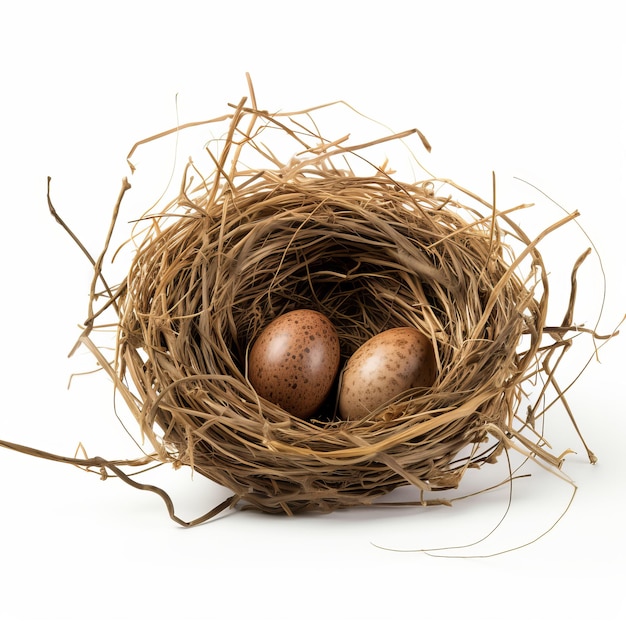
point(530, 90)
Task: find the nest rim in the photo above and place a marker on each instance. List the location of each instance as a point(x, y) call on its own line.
point(269, 458)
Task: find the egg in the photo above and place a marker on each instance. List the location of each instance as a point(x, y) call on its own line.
point(295, 360)
point(386, 365)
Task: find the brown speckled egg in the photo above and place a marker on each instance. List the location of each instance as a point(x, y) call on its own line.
point(294, 361)
point(386, 365)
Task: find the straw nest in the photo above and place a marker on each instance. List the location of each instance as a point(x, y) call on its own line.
point(239, 247)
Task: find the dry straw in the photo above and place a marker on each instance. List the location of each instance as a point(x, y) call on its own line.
point(248, 242)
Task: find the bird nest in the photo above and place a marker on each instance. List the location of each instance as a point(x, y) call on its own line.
point(244, 244)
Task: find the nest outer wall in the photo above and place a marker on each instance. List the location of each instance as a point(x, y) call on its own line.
point(246, 244)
